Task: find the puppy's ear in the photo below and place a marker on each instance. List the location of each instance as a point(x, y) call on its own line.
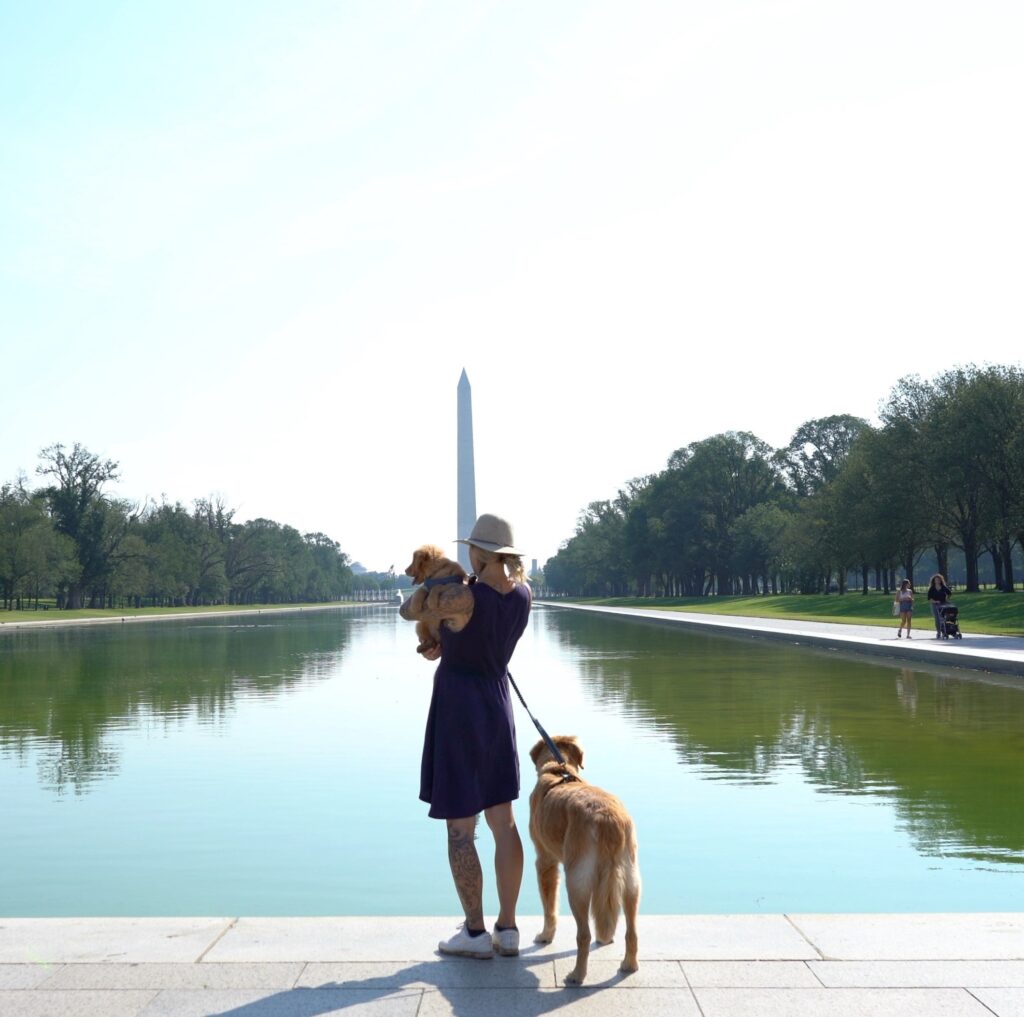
point(571, 749)
point(536, 751)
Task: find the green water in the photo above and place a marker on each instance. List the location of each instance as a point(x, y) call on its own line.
point(269, 765)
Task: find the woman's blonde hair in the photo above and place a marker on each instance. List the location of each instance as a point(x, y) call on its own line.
point(513, 563)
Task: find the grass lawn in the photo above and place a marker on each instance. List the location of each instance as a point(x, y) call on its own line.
point(987, 612)
point(53, 615)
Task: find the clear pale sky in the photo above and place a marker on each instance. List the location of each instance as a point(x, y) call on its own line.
point(247, 248)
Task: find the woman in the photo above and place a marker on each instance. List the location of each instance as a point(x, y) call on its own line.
point(470, 762)
point(905, 602)
point(938, 594)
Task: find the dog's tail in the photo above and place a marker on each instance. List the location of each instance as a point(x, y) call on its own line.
point(617, 877)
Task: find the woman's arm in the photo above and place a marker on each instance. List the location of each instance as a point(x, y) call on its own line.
point(451, 604)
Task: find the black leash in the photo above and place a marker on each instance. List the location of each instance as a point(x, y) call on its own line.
point(553, 748)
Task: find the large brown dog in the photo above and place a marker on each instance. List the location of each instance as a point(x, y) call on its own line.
point(447, 601)
point(590, 832)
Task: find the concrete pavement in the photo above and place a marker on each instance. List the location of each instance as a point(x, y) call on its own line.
point(968, 965)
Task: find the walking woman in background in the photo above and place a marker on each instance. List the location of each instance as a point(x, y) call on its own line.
point(938, 594)
point(905, 601)
point(470, 761)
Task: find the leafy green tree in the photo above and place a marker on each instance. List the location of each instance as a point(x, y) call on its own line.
point(945, 432)
point(861, 510)
point(993, 398)
point(249, 560)
point(594, 562)
point(187, 554)
point(728, 474)
point(292, 564)
point(28, 542)
point(816, 453)
point(69, 539)
point(759, 539)
point(676, 538)
point(330, 576)
point(94, 523)
point(132, 578)
point(640, 540)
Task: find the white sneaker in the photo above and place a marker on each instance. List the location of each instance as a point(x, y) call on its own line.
point(506, 941)
point(462, 944)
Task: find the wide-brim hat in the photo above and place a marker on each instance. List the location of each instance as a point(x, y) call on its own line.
point(492, 533)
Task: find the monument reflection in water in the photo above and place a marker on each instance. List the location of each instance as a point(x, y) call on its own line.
point(270, 764)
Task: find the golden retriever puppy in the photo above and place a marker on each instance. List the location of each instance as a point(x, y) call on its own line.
point(590, 832)
point(441, 597)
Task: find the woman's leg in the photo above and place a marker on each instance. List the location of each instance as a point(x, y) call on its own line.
point(508, 860)
point(466, 871)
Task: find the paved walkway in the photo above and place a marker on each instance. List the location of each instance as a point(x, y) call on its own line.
point(695, 966)
point(1001, 654)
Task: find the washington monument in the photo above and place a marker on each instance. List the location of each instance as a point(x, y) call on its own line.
point(466, 473)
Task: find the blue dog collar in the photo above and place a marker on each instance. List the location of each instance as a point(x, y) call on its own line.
point(428, 583)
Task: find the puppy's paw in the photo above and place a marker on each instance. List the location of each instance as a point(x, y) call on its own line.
point(628, 967)
point(574, 977)
point(544, 936)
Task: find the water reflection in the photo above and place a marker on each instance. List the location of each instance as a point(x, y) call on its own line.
point(948, 750)
point(231, 765)
point(63, 692)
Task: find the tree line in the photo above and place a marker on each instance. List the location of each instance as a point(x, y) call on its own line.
point(731, 515)
point(69, 541)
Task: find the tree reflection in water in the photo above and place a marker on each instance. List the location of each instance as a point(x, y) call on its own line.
point(947, 749)
point(64, 691)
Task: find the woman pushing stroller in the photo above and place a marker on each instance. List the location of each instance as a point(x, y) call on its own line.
point(938, 594)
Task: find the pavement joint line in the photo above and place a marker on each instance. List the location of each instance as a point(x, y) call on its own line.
point(298, 976)
point(814, 974)
point(691, 990)
point(803, 935)
point(972, 994)
point(223, 933)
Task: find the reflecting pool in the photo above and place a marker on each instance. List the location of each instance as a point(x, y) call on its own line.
point(269, 765)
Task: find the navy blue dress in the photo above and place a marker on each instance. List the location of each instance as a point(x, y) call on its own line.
point(470, 760)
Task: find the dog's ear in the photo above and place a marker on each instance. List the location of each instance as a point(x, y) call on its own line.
point(420, 558)
point(536, 751)
point(571, 749)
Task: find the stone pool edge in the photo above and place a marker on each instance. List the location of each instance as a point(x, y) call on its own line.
point(997, 654)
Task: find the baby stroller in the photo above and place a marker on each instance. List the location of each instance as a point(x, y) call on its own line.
point(950, 626)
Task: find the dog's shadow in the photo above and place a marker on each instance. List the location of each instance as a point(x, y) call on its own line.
point(462, 983)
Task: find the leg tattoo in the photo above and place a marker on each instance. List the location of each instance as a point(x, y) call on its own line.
point(466, 871)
